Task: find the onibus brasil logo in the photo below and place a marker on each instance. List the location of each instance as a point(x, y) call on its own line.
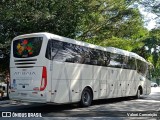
point(15, 114)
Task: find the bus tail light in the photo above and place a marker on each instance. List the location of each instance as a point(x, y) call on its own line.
point(44, 79)
point(36, 88)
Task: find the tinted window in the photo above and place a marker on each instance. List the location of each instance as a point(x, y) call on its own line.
point(84, 54)
point(58, 51)
point(68, 52)
point(94, 56)
point(107, 58)
point(129, 63)
point(27, 47)
point(149, 70)
point(48, 50)
point(116, 60)
point(141, 67)
point(64, 52)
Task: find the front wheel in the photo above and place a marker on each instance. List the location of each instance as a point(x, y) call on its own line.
point(138, 94)
point(86, 98)
point(155, 85)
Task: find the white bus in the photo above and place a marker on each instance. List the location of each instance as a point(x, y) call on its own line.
point(47, 68)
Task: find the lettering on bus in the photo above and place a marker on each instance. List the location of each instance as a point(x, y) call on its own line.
point(24, 73)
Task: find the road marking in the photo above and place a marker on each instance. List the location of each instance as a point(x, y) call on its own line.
point(148, 101)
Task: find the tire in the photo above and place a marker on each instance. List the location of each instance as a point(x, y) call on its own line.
point(138, 94)
point(1, 96)
point(86, 98)
point(155, 85)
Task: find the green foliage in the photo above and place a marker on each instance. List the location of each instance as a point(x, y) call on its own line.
point(151, 50)
point(152, 42)
point(93, 20)
point(106, 18)
point(122, 43)
point(4, 66)
point(103, 22)
point(28, 16)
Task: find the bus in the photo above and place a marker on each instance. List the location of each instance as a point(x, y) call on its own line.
point(47, 68)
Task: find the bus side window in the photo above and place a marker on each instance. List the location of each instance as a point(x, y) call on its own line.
point(102, 60)
point(107, 58)
point(141, 67)
point(138, 66)
point(71, 53)
point(131, 63)
point(48, 50)
point(116, 60)
point(53, 48)
point(86, 55)
point(81, 53)
point(94, 57)
point(125, 62)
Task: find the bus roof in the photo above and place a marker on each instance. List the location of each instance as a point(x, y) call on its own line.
point(64, 39)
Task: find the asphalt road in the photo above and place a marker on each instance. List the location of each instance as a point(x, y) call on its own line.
point(111, 109)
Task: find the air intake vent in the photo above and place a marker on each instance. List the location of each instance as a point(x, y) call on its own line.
point(25, 63)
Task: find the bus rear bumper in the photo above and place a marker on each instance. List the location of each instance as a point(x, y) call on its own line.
point(28, 96)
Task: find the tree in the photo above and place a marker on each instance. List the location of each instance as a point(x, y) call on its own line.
point(152, 43)
point(94, 20)
point(28, 16)
point(103, 19)
point(151, 50)
point(103, 22)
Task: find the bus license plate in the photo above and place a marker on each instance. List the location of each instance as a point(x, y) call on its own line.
point(23, 94)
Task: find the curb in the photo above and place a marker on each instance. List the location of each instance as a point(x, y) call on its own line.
point(4, 102)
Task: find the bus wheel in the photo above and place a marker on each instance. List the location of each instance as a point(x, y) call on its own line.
point(86, 98)
point(138, 94)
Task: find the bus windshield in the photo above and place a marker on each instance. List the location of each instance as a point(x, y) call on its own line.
point(27, 47)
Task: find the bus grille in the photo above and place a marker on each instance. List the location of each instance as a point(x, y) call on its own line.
point(25, 63)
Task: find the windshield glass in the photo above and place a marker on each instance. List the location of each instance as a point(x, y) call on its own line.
point(27, 47)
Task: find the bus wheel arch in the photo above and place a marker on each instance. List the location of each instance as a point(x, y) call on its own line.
point(141, 89)
point(86, 97)
point(139, 92)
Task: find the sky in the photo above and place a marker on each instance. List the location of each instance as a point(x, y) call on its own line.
point(148, 17)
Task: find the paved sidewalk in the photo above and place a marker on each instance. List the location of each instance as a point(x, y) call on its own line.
point(5, 101)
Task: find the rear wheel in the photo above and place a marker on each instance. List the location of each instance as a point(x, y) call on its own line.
point(86, 98)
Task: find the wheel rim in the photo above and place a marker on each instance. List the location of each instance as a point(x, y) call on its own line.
point(138, 94)
point(86, 97)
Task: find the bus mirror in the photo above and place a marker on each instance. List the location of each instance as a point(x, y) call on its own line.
point(142, 79)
